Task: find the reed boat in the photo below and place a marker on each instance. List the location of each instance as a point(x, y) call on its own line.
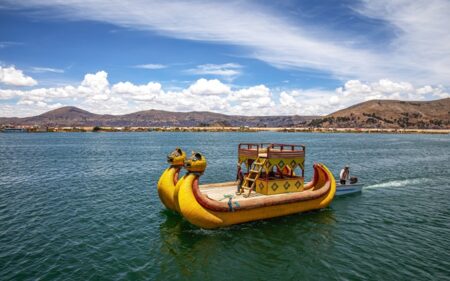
point(169, 178)
point(272, 186)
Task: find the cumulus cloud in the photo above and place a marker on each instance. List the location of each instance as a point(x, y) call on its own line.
point(209, 87)
point(251, 93)
point(356, 91)
point(138, 92)
point(318, 102)
point(96, 94)
point(289, 103)
point(256, 100)
point(15, 77)
point(94, 86)
point(95, 83)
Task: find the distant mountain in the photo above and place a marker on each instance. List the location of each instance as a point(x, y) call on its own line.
point(73, 116)
point(371, 114)
point(68, 112)
point(391, 114)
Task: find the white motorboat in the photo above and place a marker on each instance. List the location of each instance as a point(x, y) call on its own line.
point(344, 189)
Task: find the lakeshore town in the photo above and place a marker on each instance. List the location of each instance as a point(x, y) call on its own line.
point(97, 129)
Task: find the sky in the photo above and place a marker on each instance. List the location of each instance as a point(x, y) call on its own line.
point(232, 57)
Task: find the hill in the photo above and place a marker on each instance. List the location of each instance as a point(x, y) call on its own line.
point(72, 116)
point(391, 114)
point(371, 114)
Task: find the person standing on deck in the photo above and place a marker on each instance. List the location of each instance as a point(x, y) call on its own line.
point(239, 178)
point(344, 175)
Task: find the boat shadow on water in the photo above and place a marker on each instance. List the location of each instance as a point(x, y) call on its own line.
point(185, 250)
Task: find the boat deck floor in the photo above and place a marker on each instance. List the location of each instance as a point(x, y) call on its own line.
point(218, 191)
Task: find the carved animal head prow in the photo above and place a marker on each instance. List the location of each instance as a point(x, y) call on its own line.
point(176, 157)
point(196, 163)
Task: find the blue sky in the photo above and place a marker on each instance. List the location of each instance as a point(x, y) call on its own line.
point(232, 57)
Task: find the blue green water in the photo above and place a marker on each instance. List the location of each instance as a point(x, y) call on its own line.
point(84, 207)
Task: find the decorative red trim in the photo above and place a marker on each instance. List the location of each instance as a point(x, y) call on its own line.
point(259, 202)
point(207, 202)
point(175, 176)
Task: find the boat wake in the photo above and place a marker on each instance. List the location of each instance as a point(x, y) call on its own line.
point(398, 183)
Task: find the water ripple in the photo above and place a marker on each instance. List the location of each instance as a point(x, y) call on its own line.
point(85, 207)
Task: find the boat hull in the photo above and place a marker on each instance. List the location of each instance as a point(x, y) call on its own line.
point(348, 189)
point(280, 205)
point(167, 187)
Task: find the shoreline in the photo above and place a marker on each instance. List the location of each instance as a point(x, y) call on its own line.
point(226, 129)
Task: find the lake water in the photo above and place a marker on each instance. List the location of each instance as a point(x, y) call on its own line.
point(82, 206)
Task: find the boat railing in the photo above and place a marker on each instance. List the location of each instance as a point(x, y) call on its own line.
point(272, 150)
point(249, 149)
point(278, 150)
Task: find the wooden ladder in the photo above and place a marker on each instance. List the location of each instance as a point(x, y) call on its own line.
point(250, 180)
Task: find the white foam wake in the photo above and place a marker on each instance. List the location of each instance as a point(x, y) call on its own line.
point(398, 183)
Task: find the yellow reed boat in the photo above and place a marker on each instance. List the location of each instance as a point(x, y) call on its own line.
point(271, 187)
point(169, 178)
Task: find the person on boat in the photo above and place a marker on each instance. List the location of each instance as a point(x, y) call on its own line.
point(239, 178)
point(272, 174)
point(344, 175)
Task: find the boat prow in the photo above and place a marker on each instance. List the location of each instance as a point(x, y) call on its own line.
point(167, 184)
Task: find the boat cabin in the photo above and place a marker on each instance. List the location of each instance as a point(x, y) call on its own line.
point(271, 168)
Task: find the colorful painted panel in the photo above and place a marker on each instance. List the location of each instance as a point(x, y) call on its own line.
point(279, 185)
point(282, 163)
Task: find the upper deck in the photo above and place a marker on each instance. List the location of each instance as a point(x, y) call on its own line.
point(271, 150)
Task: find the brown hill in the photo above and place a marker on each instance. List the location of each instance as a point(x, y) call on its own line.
point(73, 116)
point(68, 112)
point(370, 114)
point(391, 114)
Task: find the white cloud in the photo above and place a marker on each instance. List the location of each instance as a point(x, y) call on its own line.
point(151, 66)
point(7, 94)
point(15, 77)
point(286, 99)
point(265, 35)
point(96, 94)
point(256, 100)
point(37, 69)
point(417, 51)
point(227, 70)
point(357, 91)
point(138, 92)
point(420, 49)
point(251, 93)
point(314, 102)
point(209, 87)
point(95, 84)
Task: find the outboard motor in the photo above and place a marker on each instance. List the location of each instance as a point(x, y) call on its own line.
point(353, 180)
